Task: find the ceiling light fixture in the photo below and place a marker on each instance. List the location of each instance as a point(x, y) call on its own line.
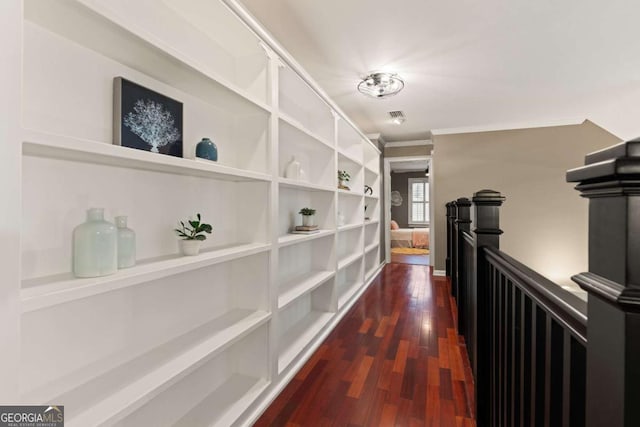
point(381, 85)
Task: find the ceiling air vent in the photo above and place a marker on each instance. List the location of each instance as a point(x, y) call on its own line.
point(397, 117)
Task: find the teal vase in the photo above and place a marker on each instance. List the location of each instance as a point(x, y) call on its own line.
point(126, 244)
point(95, 249)
point(206, 149)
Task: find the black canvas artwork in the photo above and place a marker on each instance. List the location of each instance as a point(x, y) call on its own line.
point(146, 120)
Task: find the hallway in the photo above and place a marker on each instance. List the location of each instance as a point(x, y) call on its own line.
point(394, 359)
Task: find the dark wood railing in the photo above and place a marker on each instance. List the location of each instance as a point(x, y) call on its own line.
point(537, 358)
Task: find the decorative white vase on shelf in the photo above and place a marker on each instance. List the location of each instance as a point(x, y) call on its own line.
point(308, 220)
point(292, 170)
point(95, 246)
point(126, 243)
point(190, 247)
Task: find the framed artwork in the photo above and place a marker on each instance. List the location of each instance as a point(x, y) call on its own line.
point(146, 120)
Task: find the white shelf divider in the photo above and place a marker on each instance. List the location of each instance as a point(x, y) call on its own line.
point(303, 185)
point(371, 247)
point(131, 385)
point(52, 290)
point(301, 285)
point(345, 262)
point(349, 157)
point(372, 197)
point(40, 144)
point(223, 406)
point(296, 124)
point(300, 335)
point(290, 239)
point(350, 192)
point(353, 288)
point(349, 227)
point(371, 221)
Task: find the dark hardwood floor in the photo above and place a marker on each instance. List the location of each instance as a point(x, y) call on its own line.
point(410, 259)
point(394, 360)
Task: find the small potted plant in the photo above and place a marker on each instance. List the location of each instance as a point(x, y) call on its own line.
point(192, 235)
point(343, 178)
point(307, 216)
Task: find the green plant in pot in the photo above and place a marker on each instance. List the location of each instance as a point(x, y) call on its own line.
point(343, 178)
point(192, 234)
point(307, 216)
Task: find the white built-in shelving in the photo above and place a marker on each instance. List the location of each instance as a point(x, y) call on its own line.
point(187, 341)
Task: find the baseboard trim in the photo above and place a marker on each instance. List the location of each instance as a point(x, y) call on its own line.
point(439, 273)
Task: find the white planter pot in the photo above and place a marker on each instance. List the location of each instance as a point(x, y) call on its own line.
point(308, 220)
point(190, 247)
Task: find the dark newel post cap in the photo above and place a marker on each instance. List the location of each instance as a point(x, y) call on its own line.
point(463, 201)
point(615, 167)
point(488, 197)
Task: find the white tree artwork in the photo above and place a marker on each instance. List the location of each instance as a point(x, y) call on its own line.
point(153, 124)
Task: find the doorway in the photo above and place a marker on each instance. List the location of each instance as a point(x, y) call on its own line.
point(408, 210)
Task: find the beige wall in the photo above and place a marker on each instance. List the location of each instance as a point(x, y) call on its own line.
point(414, 150)
point(544, 219)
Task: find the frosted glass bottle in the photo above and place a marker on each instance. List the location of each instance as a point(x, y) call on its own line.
point(126, 243)
point(293, 169)
point(95, 246)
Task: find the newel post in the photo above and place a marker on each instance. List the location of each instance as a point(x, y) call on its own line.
point(462, 223)
point(454, 248)
point(486, 220)
point(610, 180)
point(448, 260)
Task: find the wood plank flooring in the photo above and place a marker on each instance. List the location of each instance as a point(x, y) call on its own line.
point(410, 259)
point(394, 360)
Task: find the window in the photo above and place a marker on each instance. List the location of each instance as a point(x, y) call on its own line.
point(418, 201)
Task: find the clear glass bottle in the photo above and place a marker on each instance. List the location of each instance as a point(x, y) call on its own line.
point(126, 244)
point(95, 246)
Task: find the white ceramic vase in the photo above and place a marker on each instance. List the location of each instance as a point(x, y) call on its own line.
point(190, 247)
point(126, 243)
point(293, 169)
point(307, 220)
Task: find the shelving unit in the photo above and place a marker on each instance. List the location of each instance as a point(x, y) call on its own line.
point(175, 340)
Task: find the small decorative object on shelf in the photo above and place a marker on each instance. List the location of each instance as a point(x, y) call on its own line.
point(95, 247)
point(341, 219)
point(146, 120)
point(343, 178)
point(366, 218)
point(307, 216)
point(206, 149)
point(306, 229)
point(293, 169)
point(193, 237)
point(368, 190)
point(126, 244)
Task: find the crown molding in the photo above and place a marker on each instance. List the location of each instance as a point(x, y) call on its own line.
point(508, 126)
point(414, 143)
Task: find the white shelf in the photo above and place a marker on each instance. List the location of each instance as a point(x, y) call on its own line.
point(301, 285)
point(349, 227)
point(371, 271)
point(371, 221)
point(350, 193)
point(290, 239)
point(52, 290)
point(300, 335)
point(296, 124)
point(371, 247)
point(115, 394)
point(303, 185)
point(345, 262)
point(349, 157)
point(128, 28)
point(40, 144)
point(351, 291)
point(223, 406)
point(371, 197)
point(371, 170)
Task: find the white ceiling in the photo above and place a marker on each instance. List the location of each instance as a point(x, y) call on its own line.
point(468, 63)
